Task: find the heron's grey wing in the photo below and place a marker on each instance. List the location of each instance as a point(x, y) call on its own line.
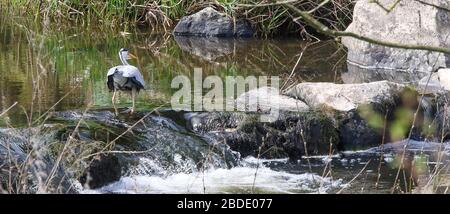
point(112, 70)
point(131, 71)
point(110, 78)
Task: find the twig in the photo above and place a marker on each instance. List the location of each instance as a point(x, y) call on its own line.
point(9, 108)
point(319, 6)
point(388, 10)
point(357, 175)
point(269, 4)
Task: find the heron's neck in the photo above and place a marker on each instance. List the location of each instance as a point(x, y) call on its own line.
point(124, 61)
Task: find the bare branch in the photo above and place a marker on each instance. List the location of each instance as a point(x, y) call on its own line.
point(269, 4)
point(4, 112)
point(321, 28)
point(433, 5)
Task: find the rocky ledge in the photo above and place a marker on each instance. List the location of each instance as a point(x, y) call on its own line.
point(324, 118)
point(409, 23)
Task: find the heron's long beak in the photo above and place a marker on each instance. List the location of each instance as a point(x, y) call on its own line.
point(131, 56)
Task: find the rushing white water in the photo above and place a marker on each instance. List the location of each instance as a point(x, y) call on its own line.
point(219, 180)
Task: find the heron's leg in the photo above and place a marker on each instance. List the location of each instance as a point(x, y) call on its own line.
point(133, 97)
point(114, 102)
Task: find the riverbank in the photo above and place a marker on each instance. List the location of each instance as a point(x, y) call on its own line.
point(164, 15)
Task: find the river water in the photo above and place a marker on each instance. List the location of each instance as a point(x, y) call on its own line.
point(63, 68)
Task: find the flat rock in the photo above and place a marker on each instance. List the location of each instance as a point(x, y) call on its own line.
point(345, 97)
point(265, 99)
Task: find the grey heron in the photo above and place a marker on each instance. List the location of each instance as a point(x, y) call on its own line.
point(126, 78)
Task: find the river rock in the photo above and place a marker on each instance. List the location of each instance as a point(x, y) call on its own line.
point(430, 84)
point(285, 137)
point(410, 22)
point(442, 122)
point(346, 97)
point(103, 170)
point(444, 78)
point(203, 122)
point(168, 147)
point(211, 23)
point(356, 132)
point(31, 144)
point(361, 111)
point(435, 83)
point(265, 99)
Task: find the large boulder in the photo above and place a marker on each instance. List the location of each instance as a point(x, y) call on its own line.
point(292, 135)
point(211, 23)
point(409, 22)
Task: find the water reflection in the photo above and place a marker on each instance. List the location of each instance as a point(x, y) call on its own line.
point(65, 66)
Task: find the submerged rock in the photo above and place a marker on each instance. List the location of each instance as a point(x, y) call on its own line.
point(413, 146)
point(410, 22)
point(210, 23)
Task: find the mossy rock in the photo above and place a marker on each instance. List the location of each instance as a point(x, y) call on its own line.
point(285, 137)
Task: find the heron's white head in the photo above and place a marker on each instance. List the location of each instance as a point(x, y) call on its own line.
point(124, 54)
